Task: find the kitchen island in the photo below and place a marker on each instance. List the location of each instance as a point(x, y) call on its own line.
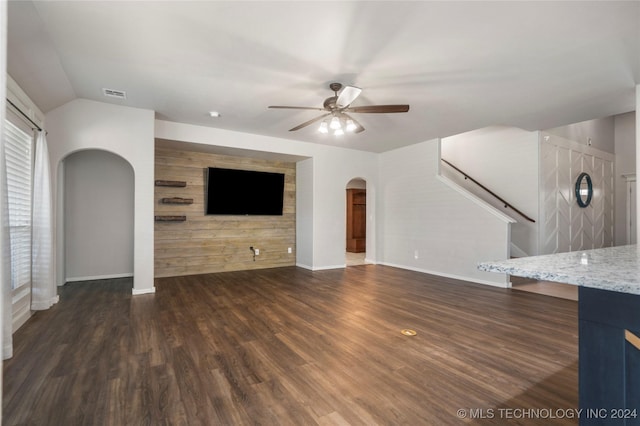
point(609, 325)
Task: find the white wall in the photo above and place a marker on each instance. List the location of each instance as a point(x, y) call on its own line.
point(598, 133)
point(98, 216)
point(505, 160)
point(321, 185)
point(304, 213)
point(426, 225)
point(625, 148)
point(128, 132)
point(332, 173)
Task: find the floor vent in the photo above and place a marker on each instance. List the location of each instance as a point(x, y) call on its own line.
point(120, 94)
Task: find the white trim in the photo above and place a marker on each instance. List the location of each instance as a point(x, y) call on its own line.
point(321, 268)
point(98, 277)
point(20, 319)
point(575, 145)
point(324, 268)
point(453, 276)
point(139, 291)
point(21, 100)
point(631, 218)
point(476, 200)
point(301, 265)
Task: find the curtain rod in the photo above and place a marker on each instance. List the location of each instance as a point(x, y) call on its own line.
point(23, 114)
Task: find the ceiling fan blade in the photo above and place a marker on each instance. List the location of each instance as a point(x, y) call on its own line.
point(306, 123)
point(348, 95)
point(295, 107)
point(359, 127)
point(379, 108)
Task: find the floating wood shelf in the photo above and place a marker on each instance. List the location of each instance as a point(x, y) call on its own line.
point(174, 183)
point(170, 218)
point(177, 200)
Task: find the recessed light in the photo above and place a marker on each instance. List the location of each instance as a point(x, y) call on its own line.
point(214, 113)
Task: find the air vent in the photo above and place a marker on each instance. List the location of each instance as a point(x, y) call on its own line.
point(114, 93)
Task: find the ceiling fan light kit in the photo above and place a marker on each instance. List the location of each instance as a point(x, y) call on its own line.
point(338, 106)
point(335, 123)
point(337, 127)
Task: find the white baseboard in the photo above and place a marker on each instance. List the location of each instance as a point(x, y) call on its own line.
point(301, 265)
point(446, 275)
point(320, 268)
point(98, 277)
point(324, 268)
point(139, 291)
point(21, 319)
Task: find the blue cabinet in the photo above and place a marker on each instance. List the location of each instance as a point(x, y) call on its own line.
point(609, 357)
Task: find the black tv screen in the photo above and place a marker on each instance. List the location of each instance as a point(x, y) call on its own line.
point(244, 192)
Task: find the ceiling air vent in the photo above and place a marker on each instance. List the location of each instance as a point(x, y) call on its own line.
point(114, 93)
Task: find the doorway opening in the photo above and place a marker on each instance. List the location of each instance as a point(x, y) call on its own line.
point(356, 227)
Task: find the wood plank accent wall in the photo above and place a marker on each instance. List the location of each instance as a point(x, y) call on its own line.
point(206, 244)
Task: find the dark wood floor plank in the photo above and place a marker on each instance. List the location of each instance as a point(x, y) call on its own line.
point(293, 347)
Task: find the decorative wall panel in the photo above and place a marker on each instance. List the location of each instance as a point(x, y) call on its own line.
point(565, 226)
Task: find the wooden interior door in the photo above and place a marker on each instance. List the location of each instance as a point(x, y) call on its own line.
point(356, 220)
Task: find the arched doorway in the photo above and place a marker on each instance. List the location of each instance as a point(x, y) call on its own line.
point(98, 220)
point(356, 226)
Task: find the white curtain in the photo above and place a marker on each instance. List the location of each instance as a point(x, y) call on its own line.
point(43, 288)
point(5, 255)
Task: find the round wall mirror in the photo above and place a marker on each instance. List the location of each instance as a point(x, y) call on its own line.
point(584, 190)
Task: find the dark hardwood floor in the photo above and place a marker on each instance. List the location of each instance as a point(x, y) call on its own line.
point(292, 347)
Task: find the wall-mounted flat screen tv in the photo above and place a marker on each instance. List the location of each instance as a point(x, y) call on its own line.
point(244, 192)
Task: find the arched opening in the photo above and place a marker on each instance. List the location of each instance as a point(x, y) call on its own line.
point(356, 226)
point(98, 216)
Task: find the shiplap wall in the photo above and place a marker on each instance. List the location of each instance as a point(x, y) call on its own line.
point(206, 244)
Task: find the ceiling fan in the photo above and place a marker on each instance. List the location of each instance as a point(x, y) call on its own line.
point(337, 109)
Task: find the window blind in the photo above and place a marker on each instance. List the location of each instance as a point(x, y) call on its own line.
point(18, 156)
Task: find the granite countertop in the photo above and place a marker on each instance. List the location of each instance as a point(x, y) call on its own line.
point(612, 268)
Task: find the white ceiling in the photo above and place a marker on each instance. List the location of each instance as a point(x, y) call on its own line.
point(460, 65)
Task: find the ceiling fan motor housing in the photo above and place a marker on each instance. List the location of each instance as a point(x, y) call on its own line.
point(335, 87)
point(330, 103)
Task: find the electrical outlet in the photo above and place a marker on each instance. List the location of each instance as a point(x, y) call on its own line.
point(257, 251)
point(289, 250)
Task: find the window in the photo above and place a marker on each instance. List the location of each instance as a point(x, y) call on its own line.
point(18, 153)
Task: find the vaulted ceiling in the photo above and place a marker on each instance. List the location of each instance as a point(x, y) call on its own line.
point(460, 65)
